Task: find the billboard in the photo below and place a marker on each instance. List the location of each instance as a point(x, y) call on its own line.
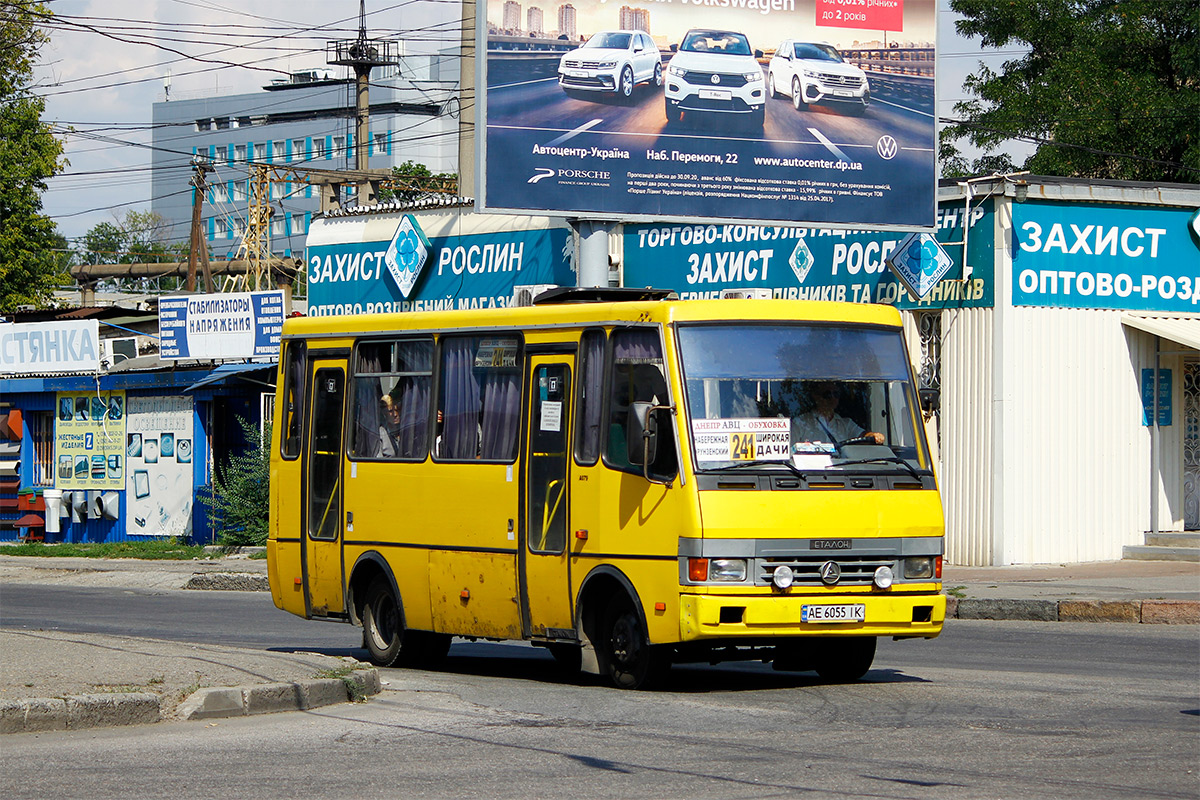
point(52, 346)
point(800, 111)
point(431, 261)
point(1141, 258)
point(159, 477)
point(236, 325)
point(89, 440)
point(700, 261)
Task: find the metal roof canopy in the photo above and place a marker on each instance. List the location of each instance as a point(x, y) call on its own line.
point(226, 371)
point(1179, 328)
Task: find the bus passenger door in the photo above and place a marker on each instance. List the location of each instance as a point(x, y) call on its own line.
point(322, 491)
point(544, 554)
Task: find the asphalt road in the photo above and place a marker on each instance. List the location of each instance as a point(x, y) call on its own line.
point(990, 709)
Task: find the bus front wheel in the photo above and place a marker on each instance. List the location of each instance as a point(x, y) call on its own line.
point(845, 660)
point(631, 662)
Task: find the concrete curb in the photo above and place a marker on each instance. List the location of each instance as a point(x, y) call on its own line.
point(271, 698)
point(229, 582)
point(1152, 612)
point(76, 712)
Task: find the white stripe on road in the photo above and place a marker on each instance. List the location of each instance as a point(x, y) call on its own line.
point(830, 146)
point(573, 133)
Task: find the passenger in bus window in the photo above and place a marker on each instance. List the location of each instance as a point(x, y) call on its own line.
point(823, 424)
point(389, 431)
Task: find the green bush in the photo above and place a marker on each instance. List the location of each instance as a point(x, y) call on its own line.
point(239, 500)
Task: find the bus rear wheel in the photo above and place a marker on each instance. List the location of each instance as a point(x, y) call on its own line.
point(630, 661)
point(844, 660)
point(383, 630)
point(388, 642)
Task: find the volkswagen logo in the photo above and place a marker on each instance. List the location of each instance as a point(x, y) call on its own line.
point(831, 573)
point(715, 79)
point(887, 148)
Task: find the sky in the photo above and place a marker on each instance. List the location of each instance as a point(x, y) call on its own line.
point(107, 62)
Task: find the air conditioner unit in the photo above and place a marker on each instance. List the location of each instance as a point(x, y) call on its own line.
point(114, 351)
point(524, 295)
point(746, 294)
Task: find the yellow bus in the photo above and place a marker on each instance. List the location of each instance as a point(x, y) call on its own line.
point(625, 479)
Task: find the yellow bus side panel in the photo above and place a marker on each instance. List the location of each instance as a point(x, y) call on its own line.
point(625, 516)
point(473, 594)
point(465, 508)
point(283, 567)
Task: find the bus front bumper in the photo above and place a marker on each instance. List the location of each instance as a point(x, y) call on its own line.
point(734, 617)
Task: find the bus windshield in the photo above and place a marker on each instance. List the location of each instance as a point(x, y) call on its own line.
point(830, 398)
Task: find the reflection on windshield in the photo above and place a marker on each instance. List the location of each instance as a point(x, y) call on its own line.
point(818, 52)
point(817, 398)
point(609, 41)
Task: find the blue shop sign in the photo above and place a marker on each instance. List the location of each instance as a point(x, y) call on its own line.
point(1104, 256)
point(699, 261)
point(474, 270)
point(1164, 397)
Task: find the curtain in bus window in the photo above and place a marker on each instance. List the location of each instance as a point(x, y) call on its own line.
point(411, 394)
point(501, 415)
point(589, 399)
point(367, 439)
point(460, 401)
point(294, 401)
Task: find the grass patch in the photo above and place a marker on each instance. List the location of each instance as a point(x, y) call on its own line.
point(152, 549)
point(346, 675)
point(957, 591)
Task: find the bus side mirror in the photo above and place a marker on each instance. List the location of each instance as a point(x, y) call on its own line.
point(931, 400)
point(641, 437)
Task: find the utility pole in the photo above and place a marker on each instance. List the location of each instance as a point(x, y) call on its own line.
point(198, 249)
point(362, 55)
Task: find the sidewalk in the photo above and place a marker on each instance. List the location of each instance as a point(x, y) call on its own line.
point(65, 681)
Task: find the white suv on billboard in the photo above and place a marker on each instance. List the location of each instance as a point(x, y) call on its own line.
point(715, 72)
point(814, 72)
point(611, 62)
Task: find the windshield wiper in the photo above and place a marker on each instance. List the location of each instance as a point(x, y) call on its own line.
point(885, 459)
point(744, 464)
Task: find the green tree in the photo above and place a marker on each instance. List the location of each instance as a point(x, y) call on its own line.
point(29, 155)
point(1109, 89)
point(241, 491)
point(140, 237)
point(413, 181)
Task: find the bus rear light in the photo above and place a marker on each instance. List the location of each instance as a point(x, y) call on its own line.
point(698, 569)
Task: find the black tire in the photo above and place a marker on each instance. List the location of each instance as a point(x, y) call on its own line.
point(625, 86)
point(383, 625)
point(798, 96)
point(772, 91)
point(844, 660)
point(658, 75)
point(629, 660)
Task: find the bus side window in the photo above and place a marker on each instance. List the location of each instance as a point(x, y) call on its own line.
point(591, 391)
point(637, 376)
point(294, 375)
point(479, 403)
point(392, 383)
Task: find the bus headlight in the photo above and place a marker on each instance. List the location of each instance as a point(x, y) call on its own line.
point(918, 567)
point(732, 570)
point(884, 577)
